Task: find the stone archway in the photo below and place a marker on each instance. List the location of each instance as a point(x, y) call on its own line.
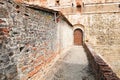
point(78, 37)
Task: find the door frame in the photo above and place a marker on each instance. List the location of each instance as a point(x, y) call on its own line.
point(80, 35)
point(82, 28)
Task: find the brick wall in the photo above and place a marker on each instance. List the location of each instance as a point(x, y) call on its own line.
point(29, 41)
point(99, 67)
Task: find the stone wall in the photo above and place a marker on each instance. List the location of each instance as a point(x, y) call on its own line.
point(8, 67)
point(102, 31)
point(100, 68)
point(36, 2)
point(29, 41)
point(54, 3)
point(100, 1)
point(101, 8)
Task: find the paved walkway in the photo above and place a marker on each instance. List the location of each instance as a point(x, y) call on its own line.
point(73, 66)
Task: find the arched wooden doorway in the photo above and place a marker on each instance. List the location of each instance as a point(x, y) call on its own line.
point(78, 37)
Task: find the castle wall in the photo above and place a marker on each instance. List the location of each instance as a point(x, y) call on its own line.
point(29, 41)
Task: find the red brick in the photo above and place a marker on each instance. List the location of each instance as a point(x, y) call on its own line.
point(34, 48)
point(33, 72)
point(4, 30)
point(51, 58)
point(2, 21)
point(37, 68)
point(24, 68)
point(39, 59)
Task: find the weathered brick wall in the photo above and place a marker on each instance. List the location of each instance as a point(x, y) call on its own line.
point(29, 41)
point(8, 67)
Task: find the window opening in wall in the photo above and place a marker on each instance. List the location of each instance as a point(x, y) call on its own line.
point(57, 3)
point(17, 8)
point(72, 5)
point(78, 6)
point(83, 4)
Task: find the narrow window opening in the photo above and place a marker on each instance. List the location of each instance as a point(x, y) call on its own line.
point(72, 5)
point(78, 6)
point(57, 3)
point(17, 7)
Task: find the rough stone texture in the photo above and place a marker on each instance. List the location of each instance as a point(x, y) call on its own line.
point(54, 3)
point(36, 2)
point(101, 8)
point(29, 40)
point(102, 31)
point(104, 35)
point(99, 1)
point(101, 69)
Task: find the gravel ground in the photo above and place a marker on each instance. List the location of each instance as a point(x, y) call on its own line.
point(73, 66)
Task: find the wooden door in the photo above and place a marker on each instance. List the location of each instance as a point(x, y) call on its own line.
point(78, 37)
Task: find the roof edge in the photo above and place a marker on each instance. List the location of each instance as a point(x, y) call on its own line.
point(40, 8)
point(48, 10)
point(65, 18)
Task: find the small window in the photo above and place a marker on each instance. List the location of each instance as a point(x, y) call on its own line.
point(57, 3)
point(17, 7)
